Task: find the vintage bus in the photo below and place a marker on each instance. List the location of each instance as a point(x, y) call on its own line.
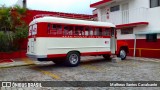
point(63, 40)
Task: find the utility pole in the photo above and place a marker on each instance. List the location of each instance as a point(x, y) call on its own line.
point(24, 3)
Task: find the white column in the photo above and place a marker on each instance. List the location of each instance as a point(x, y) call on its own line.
point(135, 46)
point(99, 14)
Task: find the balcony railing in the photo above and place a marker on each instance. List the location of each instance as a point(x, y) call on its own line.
point(129, 16)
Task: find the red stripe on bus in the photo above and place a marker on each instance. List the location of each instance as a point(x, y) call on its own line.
point(82, 54)
point(95, 53)
point(56, 55)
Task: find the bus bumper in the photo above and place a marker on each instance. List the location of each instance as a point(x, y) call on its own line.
point(36, 56)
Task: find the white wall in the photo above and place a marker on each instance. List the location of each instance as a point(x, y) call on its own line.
point(153, 15)
point(124, 36)
point(20, 3)
point(154, 19)
point(138, 4)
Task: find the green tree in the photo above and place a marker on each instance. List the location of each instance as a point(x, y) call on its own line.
point(13, 29)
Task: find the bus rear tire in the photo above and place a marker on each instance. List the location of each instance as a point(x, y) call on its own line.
point(72, 59)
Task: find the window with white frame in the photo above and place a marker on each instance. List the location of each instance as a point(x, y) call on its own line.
point(115, 8)
point(151, 37)
point(127, 31)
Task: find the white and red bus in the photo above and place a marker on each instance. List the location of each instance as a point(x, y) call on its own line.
point(64, 40)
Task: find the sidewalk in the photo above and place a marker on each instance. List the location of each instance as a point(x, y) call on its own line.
point(144, 59)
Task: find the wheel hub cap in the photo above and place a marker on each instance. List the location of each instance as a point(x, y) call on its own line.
point(73, 58)
point(122, 54)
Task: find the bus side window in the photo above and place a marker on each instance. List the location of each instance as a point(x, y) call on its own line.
point(86, 31)
point(96, 32)
point(100, 31)
point(48, 30)
point(78, 30)
point(83, 31)
point(107, 32)
point(54, 27)
point(91, 32)
point(104, 32)
point(65, 30)
point(59, 29)
point(70, 30)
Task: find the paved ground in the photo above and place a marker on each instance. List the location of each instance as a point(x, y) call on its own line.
point(90, 69)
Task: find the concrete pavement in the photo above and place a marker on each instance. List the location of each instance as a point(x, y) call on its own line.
point(28, 61)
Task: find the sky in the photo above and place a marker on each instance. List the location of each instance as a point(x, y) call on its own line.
point(68, 6)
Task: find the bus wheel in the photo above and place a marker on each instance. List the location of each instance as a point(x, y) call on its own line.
point(122, 54)
point(107, 57)
point(72, 59)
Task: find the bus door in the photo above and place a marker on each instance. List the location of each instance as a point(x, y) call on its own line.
point(113, 41)
point(33, 34)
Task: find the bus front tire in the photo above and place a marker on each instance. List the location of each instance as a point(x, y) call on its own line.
point(122, 54)
point(72, 59)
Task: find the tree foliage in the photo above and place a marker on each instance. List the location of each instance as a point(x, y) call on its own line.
point(13, 29)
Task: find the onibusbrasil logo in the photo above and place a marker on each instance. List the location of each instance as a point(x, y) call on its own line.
point(21, 84)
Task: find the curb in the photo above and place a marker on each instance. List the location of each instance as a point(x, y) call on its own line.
point(16, 66)
point(144, 59)
point(24, 62)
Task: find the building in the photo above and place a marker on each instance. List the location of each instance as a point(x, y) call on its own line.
point(137, 23)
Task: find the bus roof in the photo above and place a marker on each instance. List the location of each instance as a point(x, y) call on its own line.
point(50, 19)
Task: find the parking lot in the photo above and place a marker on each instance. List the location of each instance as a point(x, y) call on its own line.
point(90, 69)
